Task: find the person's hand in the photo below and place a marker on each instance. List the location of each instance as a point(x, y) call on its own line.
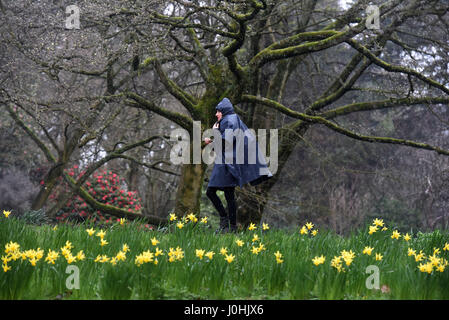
point(207, 140)
point(216, 125)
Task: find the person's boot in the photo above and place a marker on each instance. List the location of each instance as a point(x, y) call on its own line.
point(224, 225)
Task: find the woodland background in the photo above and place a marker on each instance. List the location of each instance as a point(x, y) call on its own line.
point(362, 114)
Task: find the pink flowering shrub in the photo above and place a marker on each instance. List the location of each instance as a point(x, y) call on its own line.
point(106, 187)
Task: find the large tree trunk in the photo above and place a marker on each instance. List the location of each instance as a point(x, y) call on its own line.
point(189, 189)
point(51, 180)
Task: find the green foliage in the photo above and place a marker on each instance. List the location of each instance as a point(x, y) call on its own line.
point(249, 276)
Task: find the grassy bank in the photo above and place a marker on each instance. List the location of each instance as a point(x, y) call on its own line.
point(189, 261)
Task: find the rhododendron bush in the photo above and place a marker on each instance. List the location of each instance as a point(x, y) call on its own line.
point(104, 186)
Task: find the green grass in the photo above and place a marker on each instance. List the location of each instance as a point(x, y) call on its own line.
point(248, 276)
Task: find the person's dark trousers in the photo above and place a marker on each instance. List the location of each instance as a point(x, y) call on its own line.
point(225, 219)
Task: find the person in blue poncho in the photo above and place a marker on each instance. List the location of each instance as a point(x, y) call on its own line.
point(238, 162)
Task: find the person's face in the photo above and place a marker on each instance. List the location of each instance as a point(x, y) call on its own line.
point(219, 115)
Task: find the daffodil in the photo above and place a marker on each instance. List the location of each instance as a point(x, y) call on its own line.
point(210, 255)
point(223, 251)
point(204, 220)
point(337, 264)
point(446, 247)
point(70, 258)
point(154, 241)
point(372, 229)
point(314, 232)
point(80, 256)
point(103, 242)
point(252, 227)
point(192, 217)
point(173, 217)
point(309, 225)
point(229, 258)
point(303, 230)
point(436, 251)
point(121, 256)
point(319, 260)
point(348, 256)
point(122, 221)
point(180, 225)
point(239, 242)
point(395, 234)
point(101, 234)
point(411, 252)
point(12, 247)
point(200, 253)
point(255, 238)
point(90, 231)
point(125, 248)
point(420, 256)
point(255, 250)
point(367, 250)
point(407, 237)
point(265, 226)
point(278, 255)
point(68, 245)
point(378, 222)
point(158, 252)
point(425, 267)
point(5, 267)
point(379, 257)
point(6, 214)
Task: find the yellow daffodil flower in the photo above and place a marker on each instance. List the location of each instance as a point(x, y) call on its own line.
point(319, 260)
point(103, 242)
point(379, 257)
point(6, 268)
point(252, 227)
point(239, 242)
point(154, 241)
point(395, 234)
point(367, 250)
point(210, 255)
point(173, 217)
point(101, 234)
point(303, 230)
point(223, 251)
point(265, 226)
point(90, 231)
point(6, 214)
point(378, 222)
point(229, 258)
point(158, 252)
point(309, 225)
point(372, 229)
point(200, 253)
point(407, 237)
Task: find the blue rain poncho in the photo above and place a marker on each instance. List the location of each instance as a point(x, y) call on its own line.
point(238, 158)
